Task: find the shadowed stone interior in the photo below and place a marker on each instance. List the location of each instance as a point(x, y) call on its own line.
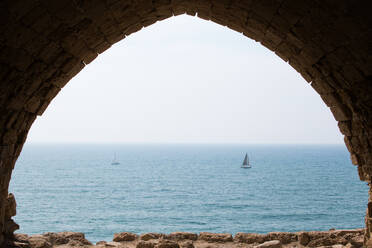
point(44, 43)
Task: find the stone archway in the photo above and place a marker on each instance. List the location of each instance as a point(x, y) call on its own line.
point(46, 43)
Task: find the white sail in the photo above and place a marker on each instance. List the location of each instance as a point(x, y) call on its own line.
point(246, 162)
point(114, 161)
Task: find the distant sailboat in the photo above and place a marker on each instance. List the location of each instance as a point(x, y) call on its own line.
point(114, 161)
point(246, 163)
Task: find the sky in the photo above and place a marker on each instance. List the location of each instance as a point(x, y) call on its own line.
point(187, 80)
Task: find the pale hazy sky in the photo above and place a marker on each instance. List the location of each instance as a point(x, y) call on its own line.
point(187, 80)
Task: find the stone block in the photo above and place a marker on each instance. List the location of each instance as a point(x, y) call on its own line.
point(345, 127)
point(354, 159)
point(39, 241)
point(167, 244)
point(270, 244)
point(357, 242)
point(303, 238)
point(250, 238)
point(32, 104)
point(10, 227)
point(283, 237)
point(148, 236)
point(10, 207)
point(10, 137)
point(187, 244)
point(181, 236)
point(327, 241)
point(124, 236)
point(215, 237)
point(341, 113)
point(145, 244)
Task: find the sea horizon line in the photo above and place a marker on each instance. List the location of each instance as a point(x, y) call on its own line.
point(179, 143)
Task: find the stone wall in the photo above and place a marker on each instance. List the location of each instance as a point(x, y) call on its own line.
point(329, 239)
point(43, 44)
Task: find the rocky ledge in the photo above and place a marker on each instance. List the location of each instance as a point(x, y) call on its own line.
point(326, 239)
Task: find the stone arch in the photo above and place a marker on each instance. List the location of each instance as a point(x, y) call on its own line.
point(46, 43)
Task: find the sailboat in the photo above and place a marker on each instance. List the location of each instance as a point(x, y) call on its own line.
point(114, 161)
point(246, 163)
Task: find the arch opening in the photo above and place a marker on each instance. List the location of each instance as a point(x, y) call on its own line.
point(160, 221)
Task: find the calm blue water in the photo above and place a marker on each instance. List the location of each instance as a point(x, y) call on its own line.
point(166, 188)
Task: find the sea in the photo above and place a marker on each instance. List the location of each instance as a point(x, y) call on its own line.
point(185, 187)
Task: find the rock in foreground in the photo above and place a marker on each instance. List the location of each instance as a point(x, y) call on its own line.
point(124, 236)
point(328, 239)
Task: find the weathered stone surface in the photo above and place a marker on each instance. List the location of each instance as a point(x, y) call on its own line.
point(39, 241)
point(303, 238)
point(215, 237)
point(10, 227)
point(270, 244)
point(21, 237)
point(167, 244)
point(103, 243)
point(352, 232)
point(181, 236)
point(76, 236)
point(145, 244)
point(338, 246)
point(124, 236)
point(61, 238)
point(283, 237)
point(148, 236)
point(11, 206)
point(327, 241)
point(357, 241)
point(369, 243)
point(16, 244)
point(108, 244)
point(250, 238)
point(55, 238)
point(187, 244)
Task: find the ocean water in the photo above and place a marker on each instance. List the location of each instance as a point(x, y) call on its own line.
point(167, 188)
